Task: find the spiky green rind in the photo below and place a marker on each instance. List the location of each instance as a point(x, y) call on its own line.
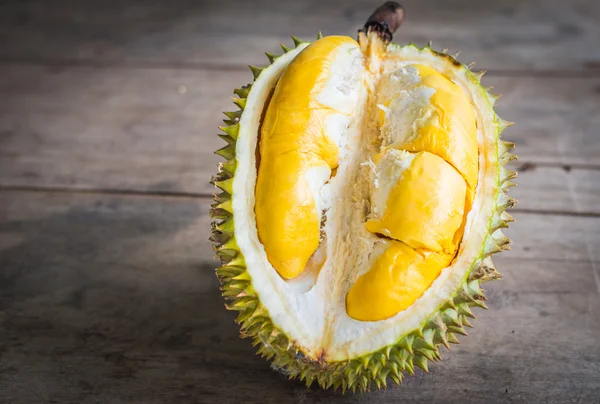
point(392, 362)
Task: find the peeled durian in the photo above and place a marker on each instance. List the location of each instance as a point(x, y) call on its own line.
point(363, 194)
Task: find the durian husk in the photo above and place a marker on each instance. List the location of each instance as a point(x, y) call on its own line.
point(392, 362)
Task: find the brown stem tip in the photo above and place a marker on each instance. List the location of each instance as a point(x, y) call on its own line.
point(385, 20)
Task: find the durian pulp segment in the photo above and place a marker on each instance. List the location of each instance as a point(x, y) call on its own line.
point(421, 205)
point(302, 139)
point(428, 112)
point(418, 200)
point(317, 320)
point(397, 278)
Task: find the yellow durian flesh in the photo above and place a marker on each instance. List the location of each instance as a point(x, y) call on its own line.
point(397, 278)
point(424, 207)
point(299, 150)
point(445, 127)
point(419, 200)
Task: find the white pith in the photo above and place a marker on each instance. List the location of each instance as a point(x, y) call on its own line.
point(316, 319)
point(384, 176)
point(409, 103)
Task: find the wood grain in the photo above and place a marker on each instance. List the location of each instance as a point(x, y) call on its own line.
point(154, 130)
point(507, 35)
point(114, 299)
point(557, 189)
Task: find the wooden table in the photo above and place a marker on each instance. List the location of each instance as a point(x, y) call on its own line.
point(108, 118)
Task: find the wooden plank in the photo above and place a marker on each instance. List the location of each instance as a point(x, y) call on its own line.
point(532, 34)
point(556, 118)
point(122, 129)
point(136, 129)
point(557, 189)
point(113, 299)
point(554, 238)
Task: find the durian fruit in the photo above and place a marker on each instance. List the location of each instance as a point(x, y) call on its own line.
point(362, 195)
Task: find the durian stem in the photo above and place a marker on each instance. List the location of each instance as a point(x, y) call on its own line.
point(385, 20)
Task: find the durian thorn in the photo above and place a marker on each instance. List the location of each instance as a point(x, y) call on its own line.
point(271, 57)
point(410, 367)
point(449, 304)
point(227, 152)
point(225, 185)
point(430, 44)
point(219, 215)
point(230, 141)
point(242, 92)
point(507, 157)
point(505, 201)
point(297, 41)
point(485, 272)
point(285, 48)
point(240, 102)
point(456, 54)
point(221, 176)
point(427, 339)
point(455, 329)
point(256, 71)
point(225, 205)
point(500, 239)
point(450, 314)
point(506, 174)
point(364, 384)
point(244, 276)
point(508, 145)
point(427, 353)
point(437, 323)
point(506, 217)
point(375, 370)
point(407, 343)
point(466, 323)
point(470, 65)
point(319, 35)
point(397, 379)
point(364, 360)
point(233, 115)
point(465, 311)
point(393, 366)
point(228, 166)
point(225, 227)
point(480, 304)
point(452, 338)
point(421, 362)
point(492, 98)
point(474, 288)
point(504, 123)
point(382, 379)
point(231, 130)
point(445, 50)
point(238, 263)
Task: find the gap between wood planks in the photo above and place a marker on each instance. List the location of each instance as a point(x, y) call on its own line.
point(156, 64)
point(528, 165)
point(201, 195)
